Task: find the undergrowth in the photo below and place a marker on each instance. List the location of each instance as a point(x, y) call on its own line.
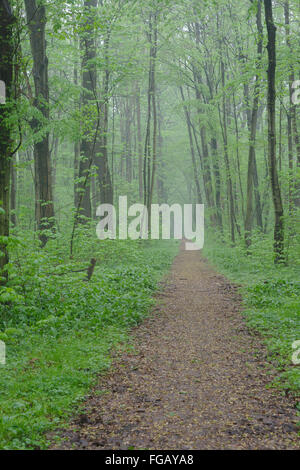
point(271, 296)
point(59, 329)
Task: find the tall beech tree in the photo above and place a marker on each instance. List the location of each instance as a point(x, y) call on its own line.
point(7, 51)
point(276, 191)
point(252, 178)
point(151, 143)
point(292, 125)
point(101, 157)
point(88, 103)
point(44, 208)
point(189, 128)
point(93, 147)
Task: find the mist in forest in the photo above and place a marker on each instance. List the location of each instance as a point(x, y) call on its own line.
point(187, 109)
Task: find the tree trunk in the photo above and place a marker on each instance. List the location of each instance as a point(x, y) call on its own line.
point(216, 167)
point(13, 193)
point(6, 76)
point(233, 223)
point(147, 149)
point(88, 100)
point(294, 186)
point(154, 110)
point(237, 135)
point(128, 122)
point(252, 176)
point(276, 192)
point(44, 209)
point(139, 138)
point(106, 189)
point(77, 143)
point(189, 127)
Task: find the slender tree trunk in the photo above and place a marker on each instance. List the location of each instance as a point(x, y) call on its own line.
point(294, 186)
point(128, 122)
point(252, 167)
point(233, 223)
point(147, 150)
point(77, 143)
point(189, 127)
point(44, 209)
point(237, 135)
point(154, 111)
point(113, 145)
point(206, 168)
point(13, 192)
point(276, 192)
point(160, 177)
point(76, 172)
point(106, 189)
point(139, 138)
point(216, 167)
point(205, 161)
point(6, 76)
point(88, 100)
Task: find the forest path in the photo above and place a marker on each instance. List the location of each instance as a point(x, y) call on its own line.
point(196, 379)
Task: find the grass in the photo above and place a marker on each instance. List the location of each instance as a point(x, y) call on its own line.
point(59, 329)
point(272, 300)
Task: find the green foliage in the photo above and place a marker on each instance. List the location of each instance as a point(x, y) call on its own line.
point(59, 329)
point(272, 301)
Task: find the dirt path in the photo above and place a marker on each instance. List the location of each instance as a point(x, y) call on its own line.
point(197, 378)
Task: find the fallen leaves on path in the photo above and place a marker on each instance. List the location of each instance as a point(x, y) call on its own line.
point(196, 379)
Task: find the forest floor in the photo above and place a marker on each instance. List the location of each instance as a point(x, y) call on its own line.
point(195, 378)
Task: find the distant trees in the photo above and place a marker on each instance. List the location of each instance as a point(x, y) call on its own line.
point(160, 101)
point(95, 106)
point(225, 68)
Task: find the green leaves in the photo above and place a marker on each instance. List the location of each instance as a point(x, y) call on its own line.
point(59, 329)
point(273, 293)
point(272, 301)
point(9, 295)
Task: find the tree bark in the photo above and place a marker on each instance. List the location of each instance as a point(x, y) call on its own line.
point(6, 76)
point(139, 138)
point(252, 177)
point(148, 150)
point(232, 219)
point(77, 142)
point(189, 127)
point(294, 186)
point(13, 193)
point(101, 160)
point(88, 100)
point(44, 208)
point(276, 192)
point(154, 111)
point(216, 168)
